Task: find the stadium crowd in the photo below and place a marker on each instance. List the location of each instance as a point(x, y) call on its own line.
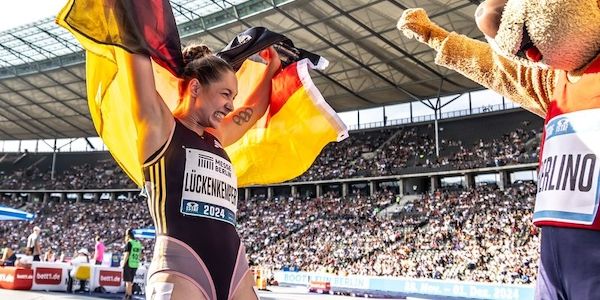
point(101, 175)
point(378, 152)
point(412, 149)
point(68, 226)
point(482, 234)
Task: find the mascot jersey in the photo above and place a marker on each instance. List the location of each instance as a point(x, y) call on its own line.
point(568, 177)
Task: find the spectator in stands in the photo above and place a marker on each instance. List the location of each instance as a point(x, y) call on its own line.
point(98, 251)
point(115, 260)
point(82, 257)
point(8, 257)
point(130, 261)
point(25, 260)
point(50, 255)
point(33, 243)
point(62, 257)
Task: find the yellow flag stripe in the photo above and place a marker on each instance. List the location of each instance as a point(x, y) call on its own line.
point(158, 197)
point(164, 195)
point(152, 194)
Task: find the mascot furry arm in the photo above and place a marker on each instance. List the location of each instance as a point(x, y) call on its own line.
point(531, 87)
point(544, 55)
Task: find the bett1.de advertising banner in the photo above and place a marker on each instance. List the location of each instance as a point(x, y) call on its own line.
point(53, 277)
point(16, 278)
point(50, 276)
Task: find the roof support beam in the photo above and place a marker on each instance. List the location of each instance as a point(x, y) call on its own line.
point(449, 10)
point(31, 124)
point(10, 136)
point(67, 44)
point(23, 112)
point(20, 124)
point(63, 41)
point(345, 88)
point(387, 42)
point(47, 54)
point(42, 91)
point(43, 51)
point(90, 144)
point(451, 100)
point(181, 9)
point(51, 96)
point(321, 73)
point(54, 132)
point(370, 49)
point(327, 18)
point(37, 105)
point(474, 2)
point(57, 101)
point(352, 58)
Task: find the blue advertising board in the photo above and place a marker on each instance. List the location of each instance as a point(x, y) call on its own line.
point(447, 288)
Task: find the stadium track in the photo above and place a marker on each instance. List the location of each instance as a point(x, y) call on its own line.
point(276, 293)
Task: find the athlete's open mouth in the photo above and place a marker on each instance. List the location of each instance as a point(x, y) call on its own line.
point(528, 50)
point(219, 115)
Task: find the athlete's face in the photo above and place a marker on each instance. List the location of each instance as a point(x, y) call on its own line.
point(216, 100)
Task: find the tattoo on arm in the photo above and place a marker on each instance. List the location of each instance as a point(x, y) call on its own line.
point(243, 116)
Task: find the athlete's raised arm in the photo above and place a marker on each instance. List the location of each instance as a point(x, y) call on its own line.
point(235, 124)
point(153, 119)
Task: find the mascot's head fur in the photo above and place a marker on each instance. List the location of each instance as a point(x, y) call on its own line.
point(562, 34)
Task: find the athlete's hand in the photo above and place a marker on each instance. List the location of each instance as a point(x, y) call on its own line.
point(273, 61)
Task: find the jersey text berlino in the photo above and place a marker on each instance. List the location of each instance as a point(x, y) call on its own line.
point(569, 172)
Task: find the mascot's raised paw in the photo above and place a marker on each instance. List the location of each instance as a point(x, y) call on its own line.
point(545, 56)
point(415, 23)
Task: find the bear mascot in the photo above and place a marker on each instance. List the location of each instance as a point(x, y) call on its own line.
point(544, 55)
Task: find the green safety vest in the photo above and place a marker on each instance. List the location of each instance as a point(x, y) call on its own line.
point(134, 256)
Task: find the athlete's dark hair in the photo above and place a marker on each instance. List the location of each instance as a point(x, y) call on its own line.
point(202, 64)
point(129, 233)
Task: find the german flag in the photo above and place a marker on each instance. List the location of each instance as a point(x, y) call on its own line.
point(280, 146)
point(284, 143)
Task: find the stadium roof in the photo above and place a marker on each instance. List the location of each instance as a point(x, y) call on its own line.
point(42, 75)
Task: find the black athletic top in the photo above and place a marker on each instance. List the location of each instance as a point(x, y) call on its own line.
point(192, 192)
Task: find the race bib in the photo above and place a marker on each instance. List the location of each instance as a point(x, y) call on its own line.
point(569, 173)
point(209, 187)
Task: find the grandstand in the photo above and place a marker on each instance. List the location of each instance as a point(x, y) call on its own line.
point(278, 222)
point(410, 196)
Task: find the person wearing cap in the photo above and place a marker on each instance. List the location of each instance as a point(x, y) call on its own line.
point(82, 257)
point(33, 243)
point(131, 261)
